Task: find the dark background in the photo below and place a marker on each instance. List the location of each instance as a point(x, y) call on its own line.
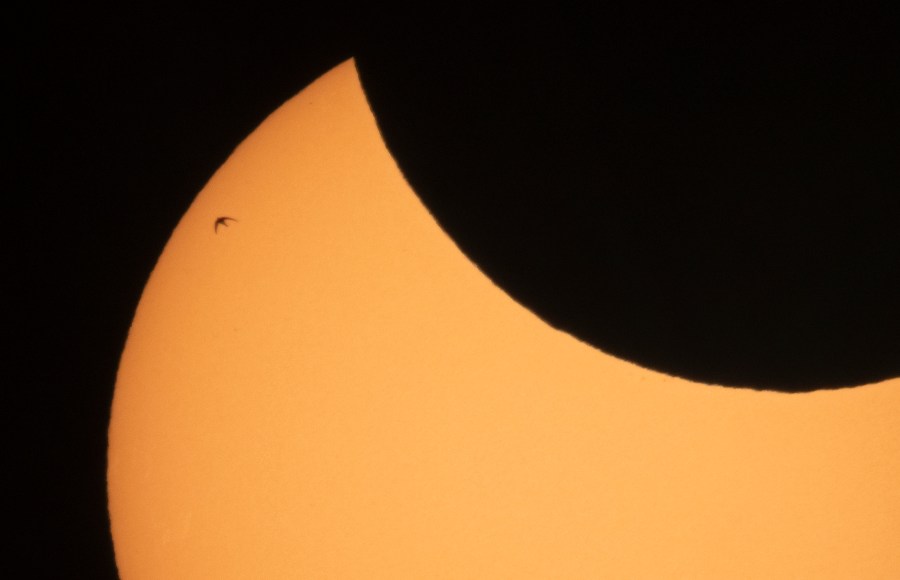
point(711, 195)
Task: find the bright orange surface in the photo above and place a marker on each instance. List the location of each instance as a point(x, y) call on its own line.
point(328, 388)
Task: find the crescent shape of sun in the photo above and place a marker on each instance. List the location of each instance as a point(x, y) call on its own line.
point(329, 388)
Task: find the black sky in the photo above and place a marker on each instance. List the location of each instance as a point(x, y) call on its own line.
point(712, 195)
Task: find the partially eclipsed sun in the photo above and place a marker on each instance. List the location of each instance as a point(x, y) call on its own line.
point(332, 390)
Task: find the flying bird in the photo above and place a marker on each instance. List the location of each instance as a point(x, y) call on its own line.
point(222, 221)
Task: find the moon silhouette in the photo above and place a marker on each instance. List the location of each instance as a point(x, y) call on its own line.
point(334, 390)
point(708, 195)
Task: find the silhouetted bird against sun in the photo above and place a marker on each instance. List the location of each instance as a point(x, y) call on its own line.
point(222, 221)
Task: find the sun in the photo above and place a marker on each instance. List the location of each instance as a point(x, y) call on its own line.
point(318, 384)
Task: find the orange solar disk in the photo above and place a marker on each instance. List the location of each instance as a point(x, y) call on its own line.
point(319, 384)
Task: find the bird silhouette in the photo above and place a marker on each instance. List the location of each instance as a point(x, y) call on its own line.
point(222, 221)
